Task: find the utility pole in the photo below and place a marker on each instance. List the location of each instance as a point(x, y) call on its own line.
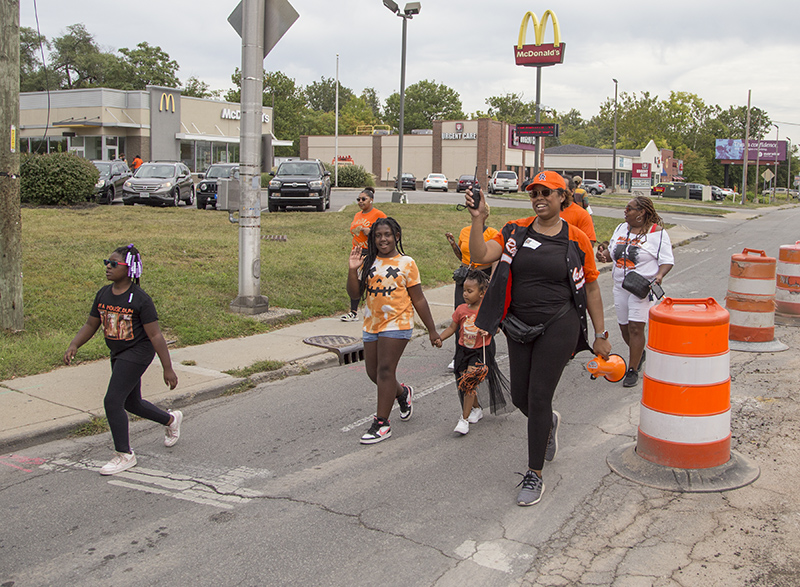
point(11, 311)
point(746, 150)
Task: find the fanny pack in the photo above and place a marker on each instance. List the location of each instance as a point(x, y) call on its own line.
point(460, 274)
point(518, 331)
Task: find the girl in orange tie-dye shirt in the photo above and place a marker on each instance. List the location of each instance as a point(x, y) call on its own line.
point(388, 280)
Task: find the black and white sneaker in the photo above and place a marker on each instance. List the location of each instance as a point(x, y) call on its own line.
point(531, 490)
point(349, 317)
point(631, 378)
point(552, 440)
point(405, 402)
point(380, 430)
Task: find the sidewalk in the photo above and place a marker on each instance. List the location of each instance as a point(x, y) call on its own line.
point(48, 406)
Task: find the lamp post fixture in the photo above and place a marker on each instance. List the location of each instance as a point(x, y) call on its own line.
point(409, 11)
point(614, 162)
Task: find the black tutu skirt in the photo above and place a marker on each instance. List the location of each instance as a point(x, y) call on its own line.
point(493, 391)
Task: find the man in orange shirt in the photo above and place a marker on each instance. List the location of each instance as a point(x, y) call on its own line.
point(136, 163)
point(576, 216)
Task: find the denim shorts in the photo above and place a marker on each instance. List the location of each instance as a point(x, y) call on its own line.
point(402, 334)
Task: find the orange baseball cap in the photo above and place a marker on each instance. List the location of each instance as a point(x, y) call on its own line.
point(549, 179)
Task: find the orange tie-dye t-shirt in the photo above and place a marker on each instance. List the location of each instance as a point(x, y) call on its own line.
point(388, 304)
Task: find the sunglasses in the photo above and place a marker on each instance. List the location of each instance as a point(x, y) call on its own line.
point(544, 193)
point(113, 263)
point(361, 199)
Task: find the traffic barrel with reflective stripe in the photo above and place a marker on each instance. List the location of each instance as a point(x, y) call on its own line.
point(751, 297)
point(787, 294)
point(685, 417)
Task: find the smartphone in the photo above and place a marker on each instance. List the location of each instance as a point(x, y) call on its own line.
point(476, 191)
point(657, 290)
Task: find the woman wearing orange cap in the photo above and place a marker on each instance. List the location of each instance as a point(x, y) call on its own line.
point(546, 275)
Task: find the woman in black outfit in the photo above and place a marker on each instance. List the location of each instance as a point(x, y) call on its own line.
point(546, 275)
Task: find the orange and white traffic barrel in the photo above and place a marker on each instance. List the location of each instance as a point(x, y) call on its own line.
point(787, 294)
point(685, 417)
point(751, 297)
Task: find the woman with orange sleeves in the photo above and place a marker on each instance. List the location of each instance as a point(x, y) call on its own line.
point(546, 275)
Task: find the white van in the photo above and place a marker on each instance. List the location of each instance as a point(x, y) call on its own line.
point(504, 181)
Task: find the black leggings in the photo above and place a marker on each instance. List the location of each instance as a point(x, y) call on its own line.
point(125, 393)
point(535, 370)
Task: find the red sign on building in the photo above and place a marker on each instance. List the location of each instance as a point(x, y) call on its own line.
point(641, 171)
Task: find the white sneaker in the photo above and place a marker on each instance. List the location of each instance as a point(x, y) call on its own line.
point(122, 461)
point(349, 317)
point(172, 432)
point(475, 415)
point(462, 427)
point(452, 365)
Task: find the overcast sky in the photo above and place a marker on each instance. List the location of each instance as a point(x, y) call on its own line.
point(717, 51)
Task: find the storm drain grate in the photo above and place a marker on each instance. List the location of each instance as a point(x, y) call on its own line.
point(348, 349)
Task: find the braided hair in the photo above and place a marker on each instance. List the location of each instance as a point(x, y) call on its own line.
point(133, 259)
point(372, 249)
point(649, 210)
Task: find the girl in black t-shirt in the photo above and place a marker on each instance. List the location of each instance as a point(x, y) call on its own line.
point(130, 326)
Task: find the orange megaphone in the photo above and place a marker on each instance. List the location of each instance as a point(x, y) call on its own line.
point(613, 369)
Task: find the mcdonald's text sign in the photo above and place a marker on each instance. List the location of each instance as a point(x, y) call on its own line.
point(539, 54)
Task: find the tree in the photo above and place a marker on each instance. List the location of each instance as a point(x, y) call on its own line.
point(76, 56)
point(370, 97)
point(425, 102)
point(511, 108)
point(32, 75)
point(354, 114)
point(199, 89)
point(321, 95)
point(150, 66)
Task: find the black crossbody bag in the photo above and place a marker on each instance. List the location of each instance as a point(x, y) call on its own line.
point(518, 331)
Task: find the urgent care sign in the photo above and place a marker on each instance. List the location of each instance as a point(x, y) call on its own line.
point(641, 171)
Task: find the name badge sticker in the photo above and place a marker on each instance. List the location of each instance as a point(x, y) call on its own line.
point(531, 243)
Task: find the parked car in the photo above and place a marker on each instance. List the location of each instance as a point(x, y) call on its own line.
point(594, 186)
point(206, 189)
point(717, 193)
point(435, 181)
point(728, 192)
point(113, 174)
point(163, 183)
point(658, 189)
point(464, 182)
point(300, 183)
point(409, 182)
point(503, 181)
point(695, 191)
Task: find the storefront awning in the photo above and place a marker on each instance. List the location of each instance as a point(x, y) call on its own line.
point(78, 122)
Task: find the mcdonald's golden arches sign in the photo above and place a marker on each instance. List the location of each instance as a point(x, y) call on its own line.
point(167, 101)
point(539, 54)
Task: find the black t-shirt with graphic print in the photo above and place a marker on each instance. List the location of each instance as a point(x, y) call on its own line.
point(122, 318)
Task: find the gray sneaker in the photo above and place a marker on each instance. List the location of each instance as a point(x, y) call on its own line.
point(552, 441)
point(531, 490)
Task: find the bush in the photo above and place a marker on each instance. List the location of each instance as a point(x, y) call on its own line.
point(352, 176)
point(58, 179)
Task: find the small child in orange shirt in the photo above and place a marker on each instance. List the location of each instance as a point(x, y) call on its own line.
point(475, 348)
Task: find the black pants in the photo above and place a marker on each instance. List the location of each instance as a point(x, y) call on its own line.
point(535, 369)
point(125, 393)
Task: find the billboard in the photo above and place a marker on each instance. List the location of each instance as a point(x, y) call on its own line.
point(732, 150)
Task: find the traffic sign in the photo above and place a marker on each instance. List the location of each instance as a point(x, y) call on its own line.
point(767, 175)
point(279, 15)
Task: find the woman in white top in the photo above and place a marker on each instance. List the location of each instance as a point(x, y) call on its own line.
point(639, 244)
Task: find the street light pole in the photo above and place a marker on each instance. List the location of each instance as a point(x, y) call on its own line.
point(408, 12)
point(775, 181)
point(788, 165)
point(614, 162)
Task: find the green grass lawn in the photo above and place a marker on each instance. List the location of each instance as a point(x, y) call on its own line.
point(191, 269)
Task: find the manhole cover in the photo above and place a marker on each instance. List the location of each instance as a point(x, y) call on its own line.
point(347, 348)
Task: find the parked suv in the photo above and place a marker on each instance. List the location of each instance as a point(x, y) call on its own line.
point(594, 186)
point(112, 175)
point(206, 189)
point(300, 183)
point(161, 183)
point(503, 181)
point(695, 191)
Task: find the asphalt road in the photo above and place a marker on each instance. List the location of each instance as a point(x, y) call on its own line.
point(271, 487)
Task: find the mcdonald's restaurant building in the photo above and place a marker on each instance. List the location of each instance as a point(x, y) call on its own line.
point(454, 147)
point(159, 124)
